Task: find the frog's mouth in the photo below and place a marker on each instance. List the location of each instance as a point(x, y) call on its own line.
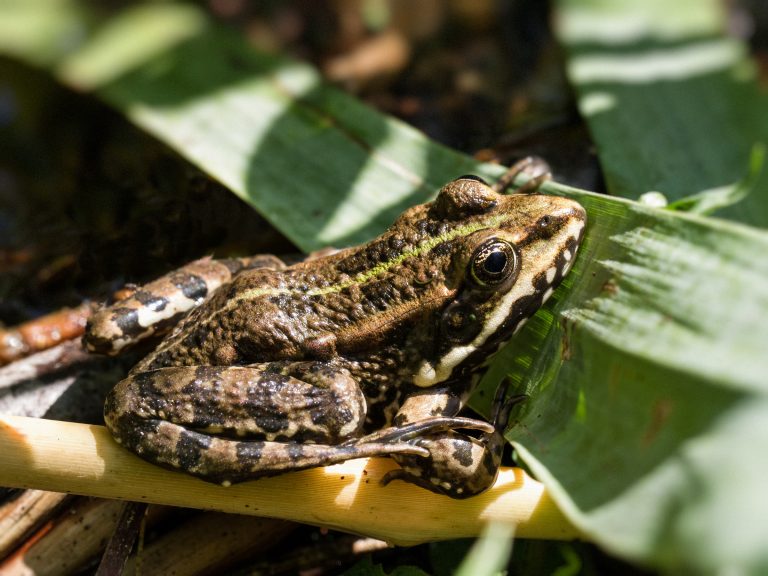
point(534, 285)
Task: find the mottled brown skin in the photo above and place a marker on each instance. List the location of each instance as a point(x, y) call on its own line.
point(367, 351)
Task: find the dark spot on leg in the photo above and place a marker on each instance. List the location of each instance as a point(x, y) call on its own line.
point(272, 424)
point(462, 452)
point(249, 452)
point(295, 452)
point(191, 285)
point(189, 449)
point(127, 319)
point(207, 374)
point(151, 301)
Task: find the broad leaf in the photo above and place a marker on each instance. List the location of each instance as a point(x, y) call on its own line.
point(670, 98)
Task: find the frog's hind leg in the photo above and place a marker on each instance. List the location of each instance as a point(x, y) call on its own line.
point(227, 461)
point(154, 308)
point(230, 424)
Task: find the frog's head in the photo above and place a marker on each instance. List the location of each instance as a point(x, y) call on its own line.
point(507, 255)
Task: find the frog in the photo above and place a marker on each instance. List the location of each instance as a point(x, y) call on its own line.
point(268, 367)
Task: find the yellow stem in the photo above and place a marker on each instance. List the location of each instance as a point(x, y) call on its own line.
point(82, 459)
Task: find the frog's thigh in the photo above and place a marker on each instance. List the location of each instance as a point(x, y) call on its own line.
point(325, 405)
point(459, 465)
point(228, 424)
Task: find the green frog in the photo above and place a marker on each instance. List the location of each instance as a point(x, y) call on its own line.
point(367, 351)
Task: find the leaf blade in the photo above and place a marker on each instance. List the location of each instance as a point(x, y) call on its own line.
point(670, 99)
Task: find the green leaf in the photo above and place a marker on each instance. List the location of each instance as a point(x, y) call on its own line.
point(41, 31)
point(709, 201)
point(267, 127)
point(446, 555)
point(647, 417)
point(490, 553)
point(366, 567)
point(670, 99)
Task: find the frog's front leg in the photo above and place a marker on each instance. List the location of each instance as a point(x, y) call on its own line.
point(459, 465)
point(230, 424)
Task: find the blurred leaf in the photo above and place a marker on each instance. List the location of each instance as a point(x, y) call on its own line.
point(670, 99)
point(262, 125)
point(647, 416)
point(41, 31)
point(366, 567)
point(709, 201)
point(490, 553)
point(445, 556)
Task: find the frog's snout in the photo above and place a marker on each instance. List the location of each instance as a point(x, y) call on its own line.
point(573, 215)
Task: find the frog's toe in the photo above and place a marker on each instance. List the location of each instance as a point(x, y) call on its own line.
point(415, 430)
point(432, 483)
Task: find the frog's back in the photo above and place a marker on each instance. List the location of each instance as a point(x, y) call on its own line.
point(317, 309)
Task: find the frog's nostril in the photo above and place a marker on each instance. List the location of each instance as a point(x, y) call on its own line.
point(570, 209)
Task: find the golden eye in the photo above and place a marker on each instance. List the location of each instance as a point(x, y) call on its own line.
point(493, 262)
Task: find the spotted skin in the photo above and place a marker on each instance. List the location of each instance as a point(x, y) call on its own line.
point(158, 306)
point(368, 351)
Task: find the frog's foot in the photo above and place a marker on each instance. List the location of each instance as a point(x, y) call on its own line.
point(459, 465)
point(419, 428)
point(502, 406)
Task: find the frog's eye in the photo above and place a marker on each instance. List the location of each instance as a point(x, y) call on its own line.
point(493, 262)
point(460, 323)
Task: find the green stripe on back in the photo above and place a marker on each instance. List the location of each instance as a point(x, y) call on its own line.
point(381, 268)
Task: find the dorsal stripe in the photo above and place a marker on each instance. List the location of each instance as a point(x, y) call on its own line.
point(374, 271)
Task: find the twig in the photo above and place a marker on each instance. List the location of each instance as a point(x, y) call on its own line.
point(209, 543)
point(23, 514)
point(123, 538)
point(43, 333)
point(69, 543)
point(82, 459)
